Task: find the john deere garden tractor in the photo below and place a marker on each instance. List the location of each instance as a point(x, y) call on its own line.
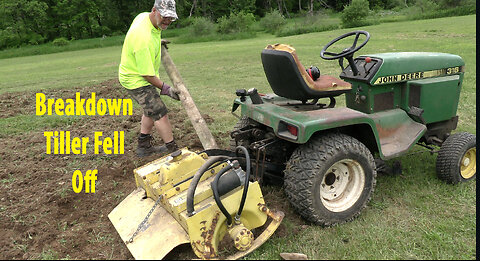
point(325, 154)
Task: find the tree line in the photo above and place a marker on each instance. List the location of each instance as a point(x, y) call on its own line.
point(38, 21)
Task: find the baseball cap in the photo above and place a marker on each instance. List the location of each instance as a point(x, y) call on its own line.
point(166, 8)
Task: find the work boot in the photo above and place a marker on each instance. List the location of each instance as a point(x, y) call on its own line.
point(169, 147)
point(146, 147)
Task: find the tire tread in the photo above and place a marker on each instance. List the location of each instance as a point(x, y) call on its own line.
point(450, 154)
point(300, 173)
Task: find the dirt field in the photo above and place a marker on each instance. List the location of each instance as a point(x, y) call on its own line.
point(40, 215)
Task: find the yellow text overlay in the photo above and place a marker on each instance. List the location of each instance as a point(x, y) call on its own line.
point(89, 180)
point(61, 142)
point(79, 106)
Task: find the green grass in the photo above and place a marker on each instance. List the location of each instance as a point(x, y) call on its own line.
point(25, 123)
point(308, 24)
point(412, 216)
point(71, 46)
point(187, 38)
point(59, 70)
point(48, 254)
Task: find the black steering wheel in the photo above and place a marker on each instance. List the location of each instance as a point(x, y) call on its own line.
point(348, 51)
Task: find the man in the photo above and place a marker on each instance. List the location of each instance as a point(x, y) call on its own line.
point(138, 73)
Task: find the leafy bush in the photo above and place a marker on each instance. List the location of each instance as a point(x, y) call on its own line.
point(317, 18)
point(73, 45)
point(185, 22)
point(308, 23)
point(201, 26)
point(306, 30)
point(175, 32)
point(9, 38)
point(62, 41)
point(235, 22)
point(273, 21)
point(428, 9)
point(426, 5)
point(35, 39)
point(356, 14)
point(101, 30)
point(183, 39)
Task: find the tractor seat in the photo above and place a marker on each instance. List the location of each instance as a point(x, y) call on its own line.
point(288, 77)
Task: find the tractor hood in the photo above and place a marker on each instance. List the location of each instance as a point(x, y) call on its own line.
point(404, 66)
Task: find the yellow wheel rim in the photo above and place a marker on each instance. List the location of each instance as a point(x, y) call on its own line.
point(468, 164)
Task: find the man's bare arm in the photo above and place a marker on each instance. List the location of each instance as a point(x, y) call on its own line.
point(154, 80)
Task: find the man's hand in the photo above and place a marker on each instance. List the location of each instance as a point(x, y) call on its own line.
point(165, 42)
point(167, 90)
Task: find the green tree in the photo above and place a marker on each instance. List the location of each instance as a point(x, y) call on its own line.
point(338, 5)
point(355, 13)
point(215, 9)
point(22, 22)
point(235, 22)
point(426, 5)
point(273, 21)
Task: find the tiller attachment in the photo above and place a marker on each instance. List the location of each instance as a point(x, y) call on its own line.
point(189, 197)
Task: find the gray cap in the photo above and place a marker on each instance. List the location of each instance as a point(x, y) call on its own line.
point(166, 8)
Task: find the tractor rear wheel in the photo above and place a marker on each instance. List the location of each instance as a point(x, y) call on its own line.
point(457, 158)
point(330, 179)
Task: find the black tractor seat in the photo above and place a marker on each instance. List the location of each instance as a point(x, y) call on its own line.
point(288, 77)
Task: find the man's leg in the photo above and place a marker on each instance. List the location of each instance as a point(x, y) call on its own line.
point(145, 146)
point(153, 110)
point(164, 128)
point(146, 125)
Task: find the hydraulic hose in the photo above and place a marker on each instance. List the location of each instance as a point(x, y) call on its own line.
point(198, 175)
point(216, 195)
point(196, 179)
point(247, 179)
point(211, 167)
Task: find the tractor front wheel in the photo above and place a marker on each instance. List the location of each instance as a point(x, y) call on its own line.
point(330, 179)
point(457, 158)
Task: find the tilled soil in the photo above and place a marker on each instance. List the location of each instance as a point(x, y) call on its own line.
point(41, 216)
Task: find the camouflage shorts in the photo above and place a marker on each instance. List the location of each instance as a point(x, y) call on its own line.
point(149, 99)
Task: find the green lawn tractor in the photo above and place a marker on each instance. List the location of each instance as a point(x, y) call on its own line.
point(328, 157)
point(324, 155)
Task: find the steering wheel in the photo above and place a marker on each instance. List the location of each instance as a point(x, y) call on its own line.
point(348, 51)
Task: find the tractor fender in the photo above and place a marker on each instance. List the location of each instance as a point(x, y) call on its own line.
point(393, 130)
point(390, 133)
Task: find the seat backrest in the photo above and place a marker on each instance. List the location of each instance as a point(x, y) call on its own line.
point(288, 77)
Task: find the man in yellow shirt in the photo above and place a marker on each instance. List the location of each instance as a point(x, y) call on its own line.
point(138, 73)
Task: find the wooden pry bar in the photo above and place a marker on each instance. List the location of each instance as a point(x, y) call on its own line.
point(199, 124)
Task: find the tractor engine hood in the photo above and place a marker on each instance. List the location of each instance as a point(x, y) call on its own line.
point(388, 68)
point(404, 66)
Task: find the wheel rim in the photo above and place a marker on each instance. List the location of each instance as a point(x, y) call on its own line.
point(342, 185)
point(468, 164)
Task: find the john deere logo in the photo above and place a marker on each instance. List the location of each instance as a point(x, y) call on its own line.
point(418, 75)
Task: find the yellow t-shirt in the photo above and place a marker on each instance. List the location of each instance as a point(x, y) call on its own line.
point(141, 53)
